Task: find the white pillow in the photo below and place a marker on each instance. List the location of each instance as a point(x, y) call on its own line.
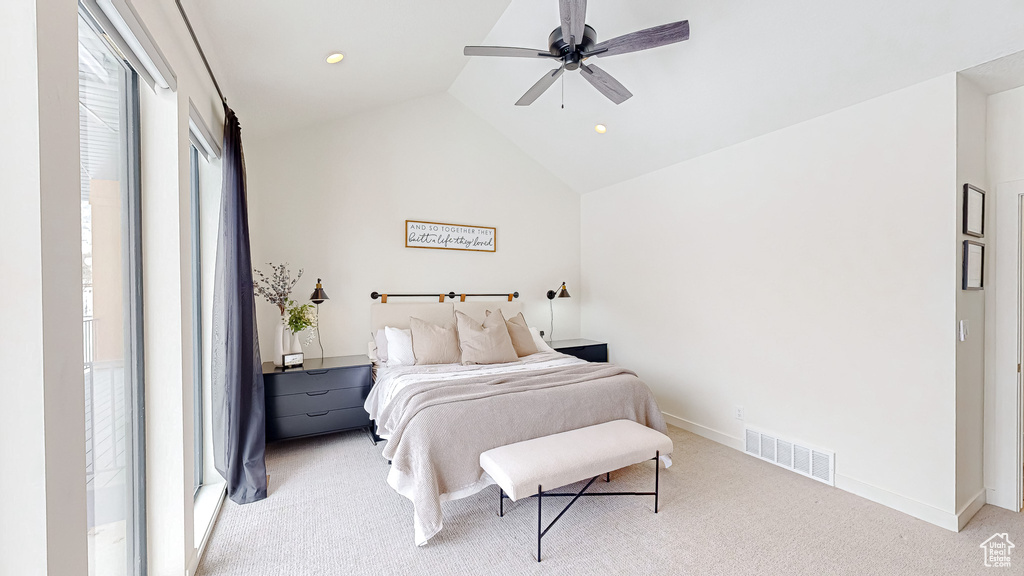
point(399, 347)
point(538, 340)
point(380, 344)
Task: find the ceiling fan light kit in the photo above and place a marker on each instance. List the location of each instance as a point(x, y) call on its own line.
point(574, 41)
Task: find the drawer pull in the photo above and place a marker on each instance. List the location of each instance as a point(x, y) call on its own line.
point(320, 393)
point(318, 372)
point(315, 414)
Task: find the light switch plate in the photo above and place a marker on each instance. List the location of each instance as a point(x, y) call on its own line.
point(965, 330)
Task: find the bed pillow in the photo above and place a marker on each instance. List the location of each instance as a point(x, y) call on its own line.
point(381, 343)
point(433, 344)
point(539, 342)
point(519, 332)
point(399, 347)
point(487, 343)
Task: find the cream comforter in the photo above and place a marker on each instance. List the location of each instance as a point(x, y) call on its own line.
point(439, 419)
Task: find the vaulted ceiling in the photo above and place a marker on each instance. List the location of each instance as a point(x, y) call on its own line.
point(749, 68)
point(269, 55)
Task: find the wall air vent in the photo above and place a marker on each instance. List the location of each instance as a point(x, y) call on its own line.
point(791, 455)
point(753, 443)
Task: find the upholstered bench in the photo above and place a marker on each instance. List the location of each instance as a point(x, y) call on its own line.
point(523, 469)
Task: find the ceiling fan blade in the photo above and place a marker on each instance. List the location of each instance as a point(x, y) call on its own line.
point(642, 40)
point(507, 52)
point(540, 87)
point(573, 14)
point(605, 84)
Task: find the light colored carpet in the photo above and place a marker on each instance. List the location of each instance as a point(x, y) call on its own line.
point(722, 512)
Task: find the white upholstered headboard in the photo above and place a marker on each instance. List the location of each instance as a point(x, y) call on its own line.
point(397, 314)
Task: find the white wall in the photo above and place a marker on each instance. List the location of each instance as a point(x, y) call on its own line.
point(333, 201)
point(1006, 136)
point(970, 305)
point(807, 275)
point(42, 417)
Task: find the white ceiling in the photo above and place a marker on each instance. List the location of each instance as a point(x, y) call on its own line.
point(749, 68)
point(269, 55)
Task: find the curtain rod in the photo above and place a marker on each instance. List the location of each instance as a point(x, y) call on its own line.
point(202, 54)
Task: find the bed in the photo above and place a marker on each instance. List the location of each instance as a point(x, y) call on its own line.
point(438, 419)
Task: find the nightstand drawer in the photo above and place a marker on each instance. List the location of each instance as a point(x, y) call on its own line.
point(287, 383)
point(318, 401)
point(316, 423)
point(592, 353)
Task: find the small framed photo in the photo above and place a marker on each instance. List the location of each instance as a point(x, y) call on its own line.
point(974, 265)
point(974, 211)
point(292, 360)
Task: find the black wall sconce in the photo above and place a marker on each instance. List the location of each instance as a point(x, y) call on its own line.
point(317, 297)
point(552, 294)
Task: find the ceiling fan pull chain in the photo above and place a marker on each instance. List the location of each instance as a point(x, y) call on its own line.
point(563, 92)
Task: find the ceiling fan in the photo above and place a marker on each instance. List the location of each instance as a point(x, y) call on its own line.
point(574, 41)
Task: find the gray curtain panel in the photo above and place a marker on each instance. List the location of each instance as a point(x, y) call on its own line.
point(239, 433)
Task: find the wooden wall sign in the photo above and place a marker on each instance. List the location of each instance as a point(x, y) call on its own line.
point(450, 236)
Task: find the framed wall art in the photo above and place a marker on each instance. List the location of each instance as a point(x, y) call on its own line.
point(450, 236)
point(974, 211)
point(974, 265)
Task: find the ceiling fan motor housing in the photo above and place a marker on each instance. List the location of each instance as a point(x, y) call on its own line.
point(560, 47)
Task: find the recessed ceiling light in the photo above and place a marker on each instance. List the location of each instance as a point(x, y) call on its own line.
point(335, 58)
point(600, 128)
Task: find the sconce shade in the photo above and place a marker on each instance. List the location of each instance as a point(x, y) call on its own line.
point(318, 295)
point(561, 293)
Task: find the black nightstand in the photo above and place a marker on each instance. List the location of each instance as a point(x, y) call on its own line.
point(583, 349)
point(319, 397)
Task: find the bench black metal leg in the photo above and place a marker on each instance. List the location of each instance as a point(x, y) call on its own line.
point(575, 497)
point(539, 533)
point(657, 467)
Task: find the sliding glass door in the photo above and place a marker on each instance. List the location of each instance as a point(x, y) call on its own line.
point(112, 305)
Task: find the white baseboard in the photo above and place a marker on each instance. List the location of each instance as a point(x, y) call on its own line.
point(920, 510)
point(1003, 499)
point(964, 515)
point(709, 433)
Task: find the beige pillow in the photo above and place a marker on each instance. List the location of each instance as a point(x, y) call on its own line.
point(433, 344)
point(487, 343)
point(519, 331)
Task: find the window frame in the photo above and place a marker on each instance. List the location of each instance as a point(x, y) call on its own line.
point(197, 320)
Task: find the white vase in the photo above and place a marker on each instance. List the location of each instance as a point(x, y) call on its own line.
point(280, 348)
point(296, 344)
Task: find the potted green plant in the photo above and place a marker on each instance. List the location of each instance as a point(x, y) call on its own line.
point(300, 317)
